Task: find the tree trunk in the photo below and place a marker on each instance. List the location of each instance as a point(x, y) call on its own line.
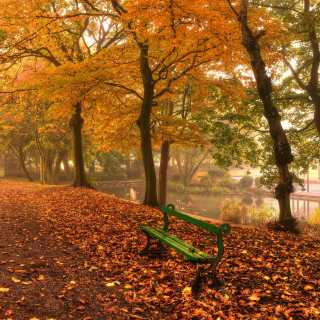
point(76, 123)
point(282, 150)
point(92, 167)
point(5, 158)
point(21, 157)
point(56, 172)
point(164, 163)
point(66, 166)
point(48, 164)
point(26, 171)
point(163, 173)
point(42, 180)
point(143, 123)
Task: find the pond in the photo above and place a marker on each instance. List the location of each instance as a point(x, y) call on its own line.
point(206, 205)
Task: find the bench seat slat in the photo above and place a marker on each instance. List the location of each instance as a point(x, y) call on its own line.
point(177, 244)
point(185, 244)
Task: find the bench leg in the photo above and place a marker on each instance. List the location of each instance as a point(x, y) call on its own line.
point(196, 283)
point(212, 269)
point(151, 242)
point(200, 271)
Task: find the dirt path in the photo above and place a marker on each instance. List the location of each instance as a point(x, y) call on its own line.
point(45, 279)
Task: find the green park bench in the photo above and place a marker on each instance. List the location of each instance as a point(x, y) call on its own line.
point(157, 236)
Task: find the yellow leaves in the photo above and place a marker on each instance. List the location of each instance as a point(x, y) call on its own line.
point(15, 279)
point(4, 289)
point(127, 286)
point(187, 291)
point(254, 297)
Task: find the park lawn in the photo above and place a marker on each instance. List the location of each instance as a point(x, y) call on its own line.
point(71, 253)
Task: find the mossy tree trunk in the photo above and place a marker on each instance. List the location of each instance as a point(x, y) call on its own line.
point(76, 123)
point(143, 123)
point(282, 150)
point(164, 163)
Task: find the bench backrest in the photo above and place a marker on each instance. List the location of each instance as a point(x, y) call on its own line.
point(169, 209)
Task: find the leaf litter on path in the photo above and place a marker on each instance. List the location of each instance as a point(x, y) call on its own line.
point(73, 254)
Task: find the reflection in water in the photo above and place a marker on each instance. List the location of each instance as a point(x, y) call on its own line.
point(133, 194)
point(259, 202)
point(247, 200)
point(206, 205)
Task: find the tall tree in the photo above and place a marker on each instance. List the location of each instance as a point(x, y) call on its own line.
point(282, 150)
point(44, 31)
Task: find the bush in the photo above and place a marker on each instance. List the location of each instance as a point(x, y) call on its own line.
point(175, 177)
point(246, 182)
point(264, 215)
point(257, 182)
point(132, 173)
point(217, 173)
point(288, 225)
point(177, 186)
point(233, 211)
point(219, 189)
point(205, 180)
point(227, 182)
point(237, 212)
point(100, 176)
point(314, 221)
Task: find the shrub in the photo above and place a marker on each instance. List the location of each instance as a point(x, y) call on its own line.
point(257, 182)
point(219, 189)
point(233, 211)
point(217, 173)
point(288, 225)
point(177, 186)
point(246, 182)
point(314, 220)
point(120, 176)
point(100, 176)
point(133, 173)
point(227, 182)
point(205, 180)
point(264, 215)
point(175, 177)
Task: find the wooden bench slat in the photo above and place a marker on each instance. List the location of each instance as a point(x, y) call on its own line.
point(192, 220)
point(178, 246)
point(189, 246)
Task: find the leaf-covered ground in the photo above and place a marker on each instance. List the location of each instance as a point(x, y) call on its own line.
point(68, 253)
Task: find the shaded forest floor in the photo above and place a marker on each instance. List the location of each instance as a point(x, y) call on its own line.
point(69, 253)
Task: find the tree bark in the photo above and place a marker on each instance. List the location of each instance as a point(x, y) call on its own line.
point(23, 166)
point(164, 163)
point(282, 150)
point(42, 178)
point(66, 166)
point(76, 123)
point(5, 158)
point(20, 154)
point(163, 173)
point(143, 123)
point(48, 164)
point(57, 167)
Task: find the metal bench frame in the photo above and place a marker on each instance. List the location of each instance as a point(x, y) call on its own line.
point(157, 236)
